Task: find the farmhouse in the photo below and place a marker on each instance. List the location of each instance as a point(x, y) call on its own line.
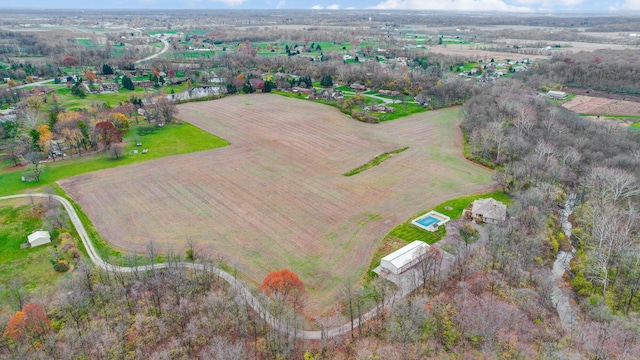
point(383, 108)
point(358, 87)
point(557, 95)
point(489, 211)
point(404, 258)
point(38, 237)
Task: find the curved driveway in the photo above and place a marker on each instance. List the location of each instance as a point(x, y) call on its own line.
point(164, 50)
point(242, 292)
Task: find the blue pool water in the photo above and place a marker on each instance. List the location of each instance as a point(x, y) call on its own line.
point(428, 221)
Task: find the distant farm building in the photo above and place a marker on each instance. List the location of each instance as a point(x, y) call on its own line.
point(557, 95)
point(39, 237)
point(489, 211)
point(404, 258)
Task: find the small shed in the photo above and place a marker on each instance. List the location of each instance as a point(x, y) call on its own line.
point(404, 258)
point(39, 237)
point(489, 211)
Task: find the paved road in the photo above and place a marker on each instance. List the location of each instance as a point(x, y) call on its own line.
point(243, 294)
point(164, 50)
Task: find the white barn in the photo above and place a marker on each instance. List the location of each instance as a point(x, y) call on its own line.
point(39, 237)
point(404, 258)
point(557, 95)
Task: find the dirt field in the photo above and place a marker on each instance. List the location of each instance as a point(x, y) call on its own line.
point(276, 198)
point(473, 53)
point(601, 106)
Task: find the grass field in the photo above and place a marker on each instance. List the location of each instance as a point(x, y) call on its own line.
point(30, 266)
point(276, 197)
point(166, 141)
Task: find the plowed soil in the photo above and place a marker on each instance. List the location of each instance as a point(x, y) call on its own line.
point(276, 197)
point(602, 106)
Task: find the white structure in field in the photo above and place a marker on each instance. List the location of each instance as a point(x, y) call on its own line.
point(39, 237)
point(557, 95)
point(404, 258)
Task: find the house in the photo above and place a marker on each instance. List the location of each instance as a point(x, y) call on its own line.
point(489, 211)
point(358, 87)
point(404, 258)
point(389, 93)
point(39, 237)
point(327, 94)
point(301, 90)
point(383, 108)
point(557, 95)
point(257, 84)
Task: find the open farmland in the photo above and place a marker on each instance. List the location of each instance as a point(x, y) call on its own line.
point(276, 197)
point(602, 106)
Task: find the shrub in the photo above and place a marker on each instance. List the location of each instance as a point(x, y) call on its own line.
point(60, 265)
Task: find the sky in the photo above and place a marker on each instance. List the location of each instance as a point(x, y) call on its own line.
point(540, 6)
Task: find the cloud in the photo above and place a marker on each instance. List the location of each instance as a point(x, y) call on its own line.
point(633, 5)
point(281, 3)
point(229, 2)
point(485, 5)
point(330, 7)
point(547, 4)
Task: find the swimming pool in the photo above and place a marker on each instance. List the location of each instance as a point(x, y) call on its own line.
point(430, 221)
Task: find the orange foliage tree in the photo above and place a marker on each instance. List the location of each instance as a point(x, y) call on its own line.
point(285, 286)
point(30, 324)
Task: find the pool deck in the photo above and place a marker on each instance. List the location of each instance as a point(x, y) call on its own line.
point(443, 219)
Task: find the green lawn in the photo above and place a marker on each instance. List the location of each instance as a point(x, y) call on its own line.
point(401, 111)
point(170, 140)
point(409, 232)
point(85, 42)
point(30, 266)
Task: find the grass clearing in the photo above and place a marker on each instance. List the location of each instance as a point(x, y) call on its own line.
point(30, 266)
point(170, 140)
point(375, 161)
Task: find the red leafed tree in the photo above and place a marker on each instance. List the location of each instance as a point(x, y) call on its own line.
point(107, 133)
point(69, 61)
point(285, 286)
point(30, 324)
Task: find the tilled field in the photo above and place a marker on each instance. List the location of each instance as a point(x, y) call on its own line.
point(602, 106)
point(275, 198)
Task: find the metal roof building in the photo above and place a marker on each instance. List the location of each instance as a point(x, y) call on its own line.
point(404, 258)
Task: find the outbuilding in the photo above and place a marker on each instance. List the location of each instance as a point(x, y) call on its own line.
point(39, 237)
point(557, 95)
point(404, 258)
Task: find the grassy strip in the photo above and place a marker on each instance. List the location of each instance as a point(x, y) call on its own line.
point(614, 116)
point(406, 232)
point(169, 140)
point(376, 161)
